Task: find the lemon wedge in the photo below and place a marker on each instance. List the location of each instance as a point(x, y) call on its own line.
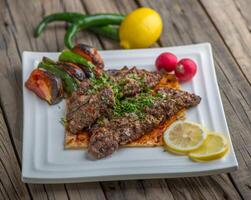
point(183, 137)
point(214, 147)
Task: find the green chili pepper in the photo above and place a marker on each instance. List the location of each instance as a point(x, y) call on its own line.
point(65, 16)
point(69, 56)
point(69, 83)
point(107, 31)
point(97, 23)
point(91, 21)
point(48, 61)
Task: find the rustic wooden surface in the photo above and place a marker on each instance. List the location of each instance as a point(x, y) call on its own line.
point(226, 24)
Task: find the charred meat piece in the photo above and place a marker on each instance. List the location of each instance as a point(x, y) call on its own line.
point(84, 109)
point(89, 96)
point(106, 139)
point(45, 85)
point(89, 53)
point(133, 81)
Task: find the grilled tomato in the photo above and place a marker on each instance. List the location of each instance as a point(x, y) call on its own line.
point(73, 70)
point(45, 85)
point(89, 53)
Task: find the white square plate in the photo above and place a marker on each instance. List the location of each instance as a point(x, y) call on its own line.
point(46, 161)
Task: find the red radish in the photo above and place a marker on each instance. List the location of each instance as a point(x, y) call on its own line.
point(185, 69)
point(166, 61)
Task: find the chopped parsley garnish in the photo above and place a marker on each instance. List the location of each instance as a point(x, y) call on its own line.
point(135, 104)
point(123, 105)
point(98, 83)
point(63, 121)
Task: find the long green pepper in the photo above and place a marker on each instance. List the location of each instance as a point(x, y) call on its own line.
point(69, 56)
point(69, 83)
point(98, 23)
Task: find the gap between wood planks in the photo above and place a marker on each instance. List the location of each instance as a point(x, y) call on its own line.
point(1, 104)
point(223, 40)
point(237, 63)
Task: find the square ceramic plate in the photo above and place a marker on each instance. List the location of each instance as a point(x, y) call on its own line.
point(46, 161)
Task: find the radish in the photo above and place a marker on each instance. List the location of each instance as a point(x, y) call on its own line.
point(185, 69)
point(166, 61)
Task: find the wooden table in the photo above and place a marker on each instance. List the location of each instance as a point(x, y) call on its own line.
point(226, 24)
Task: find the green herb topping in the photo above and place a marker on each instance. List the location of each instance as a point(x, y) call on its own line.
point(136, 104)
point(63, 121)
point(123, 105)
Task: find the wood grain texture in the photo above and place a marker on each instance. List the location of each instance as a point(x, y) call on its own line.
point(234, 29)
point(17, 36)
point(11, 186)
point(233, 24)
point(225, 24)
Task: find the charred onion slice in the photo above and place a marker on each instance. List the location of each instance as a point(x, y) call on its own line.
point(45, 85)
point(73, 70)
point(89, 53)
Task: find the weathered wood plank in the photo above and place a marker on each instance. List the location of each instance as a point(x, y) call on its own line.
point(11, 80)
point(233, 24)
point(11, 186)
point(137, 189)
point(85, 191)
point(244, 7)
point(234, 30)
point(21, 26)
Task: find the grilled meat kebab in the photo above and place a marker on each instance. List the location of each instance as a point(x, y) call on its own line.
point(133, 80)
point(96, 97)
point(106, 138)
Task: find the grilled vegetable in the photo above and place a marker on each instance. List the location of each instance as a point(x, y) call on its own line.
point(69, 56)
point(89, 53)
point(73, 70)
point(45, 85)
point(48, 61)
point(69, 83)
point(108, 31)
point(65, 16)
point(90, 21)
point(97, 23)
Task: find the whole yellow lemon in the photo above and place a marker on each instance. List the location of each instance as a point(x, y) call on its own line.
point(140, 29)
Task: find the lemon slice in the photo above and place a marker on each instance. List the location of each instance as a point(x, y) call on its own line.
point(183, 137)
point(214, 147)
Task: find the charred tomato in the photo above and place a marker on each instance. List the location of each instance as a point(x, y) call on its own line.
point(45, 85)
point(89, 53)
point(73, 70)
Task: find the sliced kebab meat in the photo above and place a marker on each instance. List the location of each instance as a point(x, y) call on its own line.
point(96, 97)
point(133, 81)
point(84, 109)
point(106, 139)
